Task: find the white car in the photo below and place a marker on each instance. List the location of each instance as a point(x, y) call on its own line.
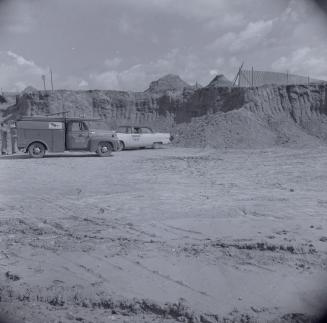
point(141, 137)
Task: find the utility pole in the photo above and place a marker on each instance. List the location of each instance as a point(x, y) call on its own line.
point(252, 73)
point(238, 76)
point(51, 79)
point(43, 79)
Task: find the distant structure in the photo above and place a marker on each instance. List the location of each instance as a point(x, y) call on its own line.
point(251, 78)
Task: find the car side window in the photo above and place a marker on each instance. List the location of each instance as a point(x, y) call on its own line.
point(146, 130)
point(136, 130)
point(124, 130)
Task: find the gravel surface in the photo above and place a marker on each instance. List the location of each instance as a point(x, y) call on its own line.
point(164, 235)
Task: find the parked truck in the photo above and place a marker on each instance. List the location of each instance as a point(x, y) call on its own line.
point(36, 135)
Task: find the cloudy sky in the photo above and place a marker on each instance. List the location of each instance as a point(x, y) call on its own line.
point(125, 44)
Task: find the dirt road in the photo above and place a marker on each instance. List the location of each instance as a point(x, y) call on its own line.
point(164, 235)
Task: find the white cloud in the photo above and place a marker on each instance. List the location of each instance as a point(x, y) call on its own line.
point(138, 77)
point(113, 62)
point(16, 72)
point(20, 60)
point(304, 61)
point(211, 35)
point(227, 21)
point(83, 84)
point(251, 36)
point(105, 80)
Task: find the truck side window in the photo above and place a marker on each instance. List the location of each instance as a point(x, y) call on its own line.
point(74, 126)
point(122, 130)
point(83, 126)
point(77, 126)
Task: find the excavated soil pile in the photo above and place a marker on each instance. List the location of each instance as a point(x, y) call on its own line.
point(294, 115)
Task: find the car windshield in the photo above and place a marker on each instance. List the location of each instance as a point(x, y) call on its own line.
point(98, 124)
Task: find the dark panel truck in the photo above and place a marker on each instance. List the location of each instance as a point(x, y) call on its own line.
point(36, 135)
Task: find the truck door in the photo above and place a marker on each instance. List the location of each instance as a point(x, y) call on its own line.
point(77, 136)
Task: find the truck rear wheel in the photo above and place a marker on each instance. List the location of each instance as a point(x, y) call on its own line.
point(104, 149)
point(36, 150)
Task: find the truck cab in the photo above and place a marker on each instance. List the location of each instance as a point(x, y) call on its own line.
point(36, 135)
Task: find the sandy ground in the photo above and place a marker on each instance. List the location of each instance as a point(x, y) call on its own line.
point(164, 235)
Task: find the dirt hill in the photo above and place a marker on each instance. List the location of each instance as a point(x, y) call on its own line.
point(255, 117)
point(170, 82)
point(220, 81)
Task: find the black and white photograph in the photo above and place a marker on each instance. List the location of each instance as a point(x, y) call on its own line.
point(163, 161)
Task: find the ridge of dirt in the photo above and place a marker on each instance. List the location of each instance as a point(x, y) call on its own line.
point(136, 309)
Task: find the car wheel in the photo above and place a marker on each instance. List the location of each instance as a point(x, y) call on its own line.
point(156, 145)
point(104, 149)
point(121, 146)
point(36, 150)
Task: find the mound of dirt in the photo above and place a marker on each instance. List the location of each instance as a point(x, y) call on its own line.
point(30, 89)
point(294, 115)
point(220, 81)
point(238, 129)
point(242, 129)
point(169, 82)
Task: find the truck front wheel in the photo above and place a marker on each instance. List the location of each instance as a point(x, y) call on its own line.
point(36, 150)
point(104, 149)
point(121, 146)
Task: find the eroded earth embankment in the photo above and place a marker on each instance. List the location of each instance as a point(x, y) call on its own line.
point(218, 117)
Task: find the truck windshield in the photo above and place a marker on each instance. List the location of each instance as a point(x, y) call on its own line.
point(98, 125)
